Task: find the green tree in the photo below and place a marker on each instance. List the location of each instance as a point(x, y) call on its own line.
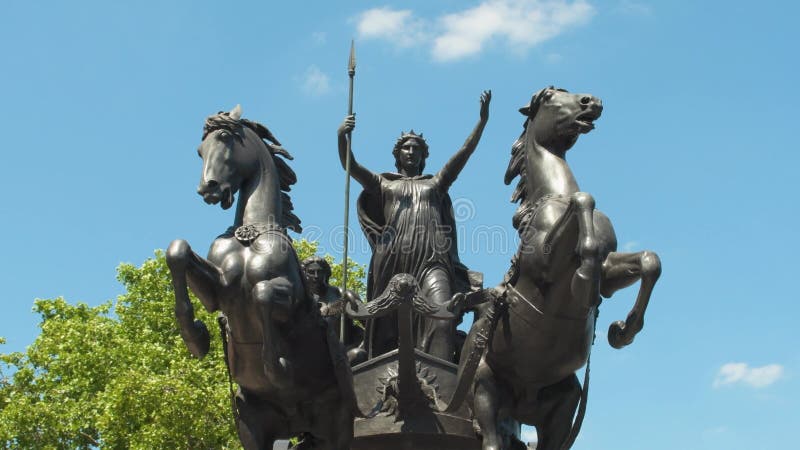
point(119, 376)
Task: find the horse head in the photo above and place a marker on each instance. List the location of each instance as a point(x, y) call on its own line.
point(226, 162)
point(230, 154)
point(557, 117)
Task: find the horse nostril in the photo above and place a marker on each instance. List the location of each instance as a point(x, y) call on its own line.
point(207, 187)
point(585, 100)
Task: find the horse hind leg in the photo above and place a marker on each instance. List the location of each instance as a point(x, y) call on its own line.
point(255, 425)
point(260, 424)
point(252, 439)
point(486, 407)
point(557, 404)
point(336, 430)
point(621, 270)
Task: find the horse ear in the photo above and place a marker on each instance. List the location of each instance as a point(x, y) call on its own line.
point(537, 98)
point(526, 110)
point(236, 112)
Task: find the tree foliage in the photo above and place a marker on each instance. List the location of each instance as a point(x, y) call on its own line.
point(118, 375)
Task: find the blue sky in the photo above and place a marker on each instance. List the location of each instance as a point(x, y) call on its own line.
point(694, 158)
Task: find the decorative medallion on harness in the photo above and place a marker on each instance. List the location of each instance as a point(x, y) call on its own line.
point(250, 232)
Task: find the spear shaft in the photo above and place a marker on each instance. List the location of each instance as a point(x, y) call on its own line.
point(351, 72)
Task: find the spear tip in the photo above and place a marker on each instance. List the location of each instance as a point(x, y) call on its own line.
point(351, 64)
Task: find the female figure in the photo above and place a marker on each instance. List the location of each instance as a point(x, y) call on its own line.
point(407, 218)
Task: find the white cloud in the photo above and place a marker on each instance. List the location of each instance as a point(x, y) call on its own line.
point(315, 81)
point(399, 27)
point(742, 373)
point(519, 24)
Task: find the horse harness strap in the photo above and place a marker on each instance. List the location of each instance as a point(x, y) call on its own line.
point(527, 211)
point(516, 300)
point(514, 297)
point(576, 425)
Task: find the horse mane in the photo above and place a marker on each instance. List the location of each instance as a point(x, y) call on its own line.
point(516, 165)
point(286, 176)
point(516, 168)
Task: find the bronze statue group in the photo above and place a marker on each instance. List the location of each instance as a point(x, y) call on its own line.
point(297, 376)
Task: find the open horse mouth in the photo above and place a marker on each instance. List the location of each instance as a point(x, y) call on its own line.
point(223, 196)
point(585, 121)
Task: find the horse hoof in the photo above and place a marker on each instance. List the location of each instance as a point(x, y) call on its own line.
point(197, 339)
point(616, 335)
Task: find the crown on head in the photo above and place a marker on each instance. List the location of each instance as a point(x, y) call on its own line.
point(410, 135)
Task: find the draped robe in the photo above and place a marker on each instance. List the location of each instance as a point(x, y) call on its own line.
point(410, 226)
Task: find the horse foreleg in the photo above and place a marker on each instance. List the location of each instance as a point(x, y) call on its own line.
point(190, 270)
point(621, 270)
point(586, 280)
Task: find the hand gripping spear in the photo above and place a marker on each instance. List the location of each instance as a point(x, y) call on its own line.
point(351, 72)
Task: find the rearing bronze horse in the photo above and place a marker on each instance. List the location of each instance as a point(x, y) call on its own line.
point(540, 321)
point(292, 373)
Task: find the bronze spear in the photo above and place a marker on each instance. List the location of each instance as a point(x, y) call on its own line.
point(351, 71)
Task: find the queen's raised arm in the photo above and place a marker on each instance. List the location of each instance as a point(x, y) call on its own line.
point(364, 176)
point(456, 163)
